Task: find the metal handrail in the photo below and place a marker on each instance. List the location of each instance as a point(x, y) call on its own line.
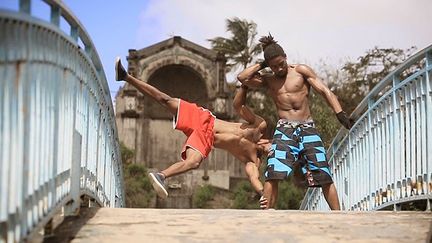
point(384, 160)
point(57, 125)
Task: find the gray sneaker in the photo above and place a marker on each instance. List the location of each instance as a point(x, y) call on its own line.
point(157, 181)
point(120, 72)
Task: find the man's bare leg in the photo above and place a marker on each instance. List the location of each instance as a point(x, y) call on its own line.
point(271, 188)
point(331, 196)
point(192, 161)
point(171, 104)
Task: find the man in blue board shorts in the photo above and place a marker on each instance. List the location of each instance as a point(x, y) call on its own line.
point(296, 143)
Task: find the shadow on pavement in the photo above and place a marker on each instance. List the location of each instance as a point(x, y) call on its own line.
point(68, 229)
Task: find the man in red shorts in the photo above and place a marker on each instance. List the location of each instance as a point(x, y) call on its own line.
point(204, 131)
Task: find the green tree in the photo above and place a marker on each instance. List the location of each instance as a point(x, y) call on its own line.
point(361, 76)
point(241, 48)
point(351, 84)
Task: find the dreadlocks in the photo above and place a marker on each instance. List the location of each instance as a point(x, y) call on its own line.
point(270, 47)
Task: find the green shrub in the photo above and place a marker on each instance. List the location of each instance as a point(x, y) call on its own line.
point(202, 196)
point(127, 154)
point(138, 189)
point(289, 196)
point(245, 197)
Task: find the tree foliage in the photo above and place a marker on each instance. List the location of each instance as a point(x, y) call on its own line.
point(241, 47)
point(361, 76)
point(352, 83)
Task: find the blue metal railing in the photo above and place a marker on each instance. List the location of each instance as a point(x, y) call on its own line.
point(58, 136)
point(386, 158)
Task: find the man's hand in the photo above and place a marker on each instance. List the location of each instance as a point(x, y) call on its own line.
point(263, 202)
point(344, 120)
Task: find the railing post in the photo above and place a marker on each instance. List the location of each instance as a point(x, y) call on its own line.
point(25, 6)
point(74, 33)
point(71, 208)
point(428, 58)
point(428, 205)
point(28, 200)
point(397, 207)
point(55, 15)
point(88, 50)
point(371, 161)
point(397, 139)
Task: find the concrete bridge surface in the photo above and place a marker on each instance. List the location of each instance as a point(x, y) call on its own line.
point(228, 225)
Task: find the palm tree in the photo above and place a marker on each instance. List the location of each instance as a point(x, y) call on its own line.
point(241, 48)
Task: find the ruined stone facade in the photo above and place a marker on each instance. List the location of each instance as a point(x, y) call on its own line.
point(186, 70)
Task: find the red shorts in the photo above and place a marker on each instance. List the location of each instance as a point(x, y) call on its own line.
point(197, 124)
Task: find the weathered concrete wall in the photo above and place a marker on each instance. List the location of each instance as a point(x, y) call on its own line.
point(162, 144)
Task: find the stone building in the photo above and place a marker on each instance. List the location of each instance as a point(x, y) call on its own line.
point(182, 69)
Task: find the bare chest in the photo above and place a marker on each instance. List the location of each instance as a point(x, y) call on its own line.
point(292, 83)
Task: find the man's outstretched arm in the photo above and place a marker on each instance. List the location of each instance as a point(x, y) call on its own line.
point(324, 91)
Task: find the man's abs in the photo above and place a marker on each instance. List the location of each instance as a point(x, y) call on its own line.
point(292, 106)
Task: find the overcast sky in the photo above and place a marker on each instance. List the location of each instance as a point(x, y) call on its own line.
point(309, 30)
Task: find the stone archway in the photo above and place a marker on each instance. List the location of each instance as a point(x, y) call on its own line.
point(177, 81)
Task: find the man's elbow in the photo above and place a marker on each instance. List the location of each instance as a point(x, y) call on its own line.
point(242, 78)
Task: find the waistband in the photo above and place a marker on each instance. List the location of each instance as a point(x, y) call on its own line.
point(294, 123)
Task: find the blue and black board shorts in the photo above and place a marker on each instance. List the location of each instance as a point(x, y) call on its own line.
point(297, 146)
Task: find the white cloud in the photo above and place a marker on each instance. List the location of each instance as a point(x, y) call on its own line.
point(308, 30)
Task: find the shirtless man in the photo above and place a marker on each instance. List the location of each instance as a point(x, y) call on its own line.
point(203, 130)
point(296, 143)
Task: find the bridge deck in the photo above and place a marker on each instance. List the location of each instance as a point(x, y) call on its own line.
point(225, 225)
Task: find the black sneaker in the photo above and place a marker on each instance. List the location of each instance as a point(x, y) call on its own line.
point(120, 71)
point(157, 181)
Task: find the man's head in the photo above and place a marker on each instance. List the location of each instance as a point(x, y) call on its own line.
point(274, 55)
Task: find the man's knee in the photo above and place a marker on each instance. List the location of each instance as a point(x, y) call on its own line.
point(251, 170)
point(194, 162)
point(328, 187)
